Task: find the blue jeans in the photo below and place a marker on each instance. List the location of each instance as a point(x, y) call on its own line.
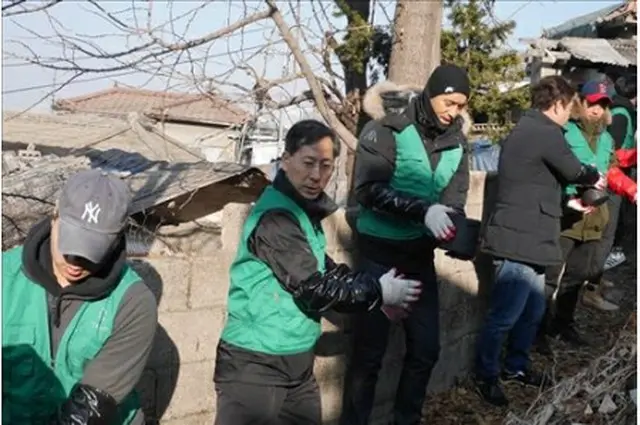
point(517, 307)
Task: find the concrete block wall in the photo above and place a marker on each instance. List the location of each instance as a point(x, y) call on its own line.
point(177, 387)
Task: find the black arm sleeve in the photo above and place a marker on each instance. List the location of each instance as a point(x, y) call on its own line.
point(87, 405)
point(374, 168)
point(618, 130)
point(279, 241)
point(455, 194)
point(557, 155)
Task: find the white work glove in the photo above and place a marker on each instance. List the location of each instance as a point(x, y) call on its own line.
point(397, 291)
point(577, 205)
point(439, 223)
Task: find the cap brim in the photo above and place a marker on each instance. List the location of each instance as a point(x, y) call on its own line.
point(78, 241)
point(598, 97)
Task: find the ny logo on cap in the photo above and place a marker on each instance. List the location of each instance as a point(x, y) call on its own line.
point(91, 212)
point(602, 88)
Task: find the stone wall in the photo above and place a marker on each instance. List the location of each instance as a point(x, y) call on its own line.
point(177, 387)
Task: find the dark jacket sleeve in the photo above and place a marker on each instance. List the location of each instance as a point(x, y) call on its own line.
point(374, 168)
point(119, 365)
point(558, 156)
point(455, 194)
point(279, 241)
point(618, 130)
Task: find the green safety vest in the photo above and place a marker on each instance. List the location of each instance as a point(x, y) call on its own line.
point(629, 139)
point(413, 176)
point(261, 315)
point(33, 384)
point(579, 145)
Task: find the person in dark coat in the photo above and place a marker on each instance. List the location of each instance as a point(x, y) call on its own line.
point(523, 232)
point(411, 172)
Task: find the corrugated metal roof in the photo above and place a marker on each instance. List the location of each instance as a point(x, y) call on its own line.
point(597, 50)
point(580, 26)
point(619, 52)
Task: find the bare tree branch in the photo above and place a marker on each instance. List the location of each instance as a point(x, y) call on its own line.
point(327, 113)
point(16, 3)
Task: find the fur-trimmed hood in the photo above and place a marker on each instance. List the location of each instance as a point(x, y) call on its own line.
point(578, 113)
point(387, 96)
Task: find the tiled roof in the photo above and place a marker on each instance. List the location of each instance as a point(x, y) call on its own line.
point(82, 131)
point(171, 106)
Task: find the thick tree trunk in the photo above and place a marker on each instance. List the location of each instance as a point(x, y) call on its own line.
point(416, 46)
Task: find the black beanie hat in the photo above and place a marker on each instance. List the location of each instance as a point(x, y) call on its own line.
point(447, 79)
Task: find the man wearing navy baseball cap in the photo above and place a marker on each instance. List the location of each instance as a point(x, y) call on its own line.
point(77, 322)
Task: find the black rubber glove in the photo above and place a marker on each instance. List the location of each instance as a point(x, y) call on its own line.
point(87, 405)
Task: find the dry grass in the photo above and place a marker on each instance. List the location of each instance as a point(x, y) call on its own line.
point(584, 376)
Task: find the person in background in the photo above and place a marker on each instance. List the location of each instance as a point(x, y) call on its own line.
point(623, 128)
point(582, 226)
point(77, 322)
point(522, 235)
point(411, 172)
point(281, 282)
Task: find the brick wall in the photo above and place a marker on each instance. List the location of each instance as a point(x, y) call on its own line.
point(177, 387)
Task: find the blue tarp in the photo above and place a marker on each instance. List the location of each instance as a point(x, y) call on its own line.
point(484, 156)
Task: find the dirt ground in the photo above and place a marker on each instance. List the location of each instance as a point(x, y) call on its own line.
point(462, 405)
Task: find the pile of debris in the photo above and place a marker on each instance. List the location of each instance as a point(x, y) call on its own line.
point(30, 186)
point(603, 393)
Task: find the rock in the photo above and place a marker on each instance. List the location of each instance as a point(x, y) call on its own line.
point(607, 405)
point(588, 411)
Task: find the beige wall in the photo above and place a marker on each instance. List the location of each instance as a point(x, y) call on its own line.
point(192, 287)
point(214, 140)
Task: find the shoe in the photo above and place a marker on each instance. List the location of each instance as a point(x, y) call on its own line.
point(491, 392)
point(614, 259)
point(569, 334)
point(529, 378)
point(593, 298)
point(542, 345)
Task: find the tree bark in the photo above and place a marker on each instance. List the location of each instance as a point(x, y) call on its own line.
point(416, 46)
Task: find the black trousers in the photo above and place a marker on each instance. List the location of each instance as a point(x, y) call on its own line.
point(612, 235)
point(564, 281)
point(250, 404)
point(371, 334)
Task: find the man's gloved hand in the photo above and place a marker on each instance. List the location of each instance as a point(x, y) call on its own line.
point(439, 223)
point(577, 205)
point(397, 291)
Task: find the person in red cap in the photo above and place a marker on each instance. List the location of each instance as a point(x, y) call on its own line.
point(582, 224)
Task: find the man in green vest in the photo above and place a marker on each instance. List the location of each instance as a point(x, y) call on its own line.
point(77, 322)
point(281, 282)
point(411, 172)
